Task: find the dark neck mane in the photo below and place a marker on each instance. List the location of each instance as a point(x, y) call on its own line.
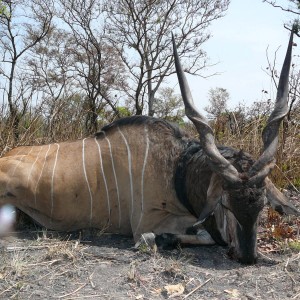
point(181, 171)
point(142, 120)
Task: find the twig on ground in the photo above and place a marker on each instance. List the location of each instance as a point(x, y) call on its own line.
point(51, 272)
point(88, 296)
point(61, 273)
point(8, 289)
point(71, 293)
point(16, 248)
point(90, 279)
point(268, 258)
point(51, 262)
point(197, 288)
point(287, 263)
point(296, 296)
point(295, 257)
point(288, 273)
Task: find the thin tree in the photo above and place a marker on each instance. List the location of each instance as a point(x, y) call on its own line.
point(218, 98)
point(97, 67)
point(49, 74)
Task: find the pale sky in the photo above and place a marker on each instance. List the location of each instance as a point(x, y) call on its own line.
point(239, 44)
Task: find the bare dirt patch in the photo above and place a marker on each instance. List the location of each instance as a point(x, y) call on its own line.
point(40, 264)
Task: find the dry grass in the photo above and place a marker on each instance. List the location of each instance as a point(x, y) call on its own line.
point(42, 262)
point(287, 170)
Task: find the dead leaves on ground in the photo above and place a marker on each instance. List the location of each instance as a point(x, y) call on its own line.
point(278, 233)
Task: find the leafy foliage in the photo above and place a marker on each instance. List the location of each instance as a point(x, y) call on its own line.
point(3, 10)
point(169, 106)
point(218, 98)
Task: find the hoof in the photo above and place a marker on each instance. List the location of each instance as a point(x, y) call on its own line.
point(146, 242)
point(167, 241)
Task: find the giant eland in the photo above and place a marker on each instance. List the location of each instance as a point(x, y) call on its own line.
point(144, 177)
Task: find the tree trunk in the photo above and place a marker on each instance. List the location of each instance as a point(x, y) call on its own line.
point(91, 124)
point(14, 119)
point(150, 104)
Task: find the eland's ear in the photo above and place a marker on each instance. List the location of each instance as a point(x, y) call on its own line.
point(214, 196)
point(278, 201)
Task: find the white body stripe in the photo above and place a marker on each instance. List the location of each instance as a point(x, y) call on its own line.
point(52, 180)
point(17, 154)
point(87, 182)
point(115, 177)
point(13, 172)
point(142, 177)
point(129, 170)
point(23, 155)
point(49, 146)
point(31, 169)
point(104, 179)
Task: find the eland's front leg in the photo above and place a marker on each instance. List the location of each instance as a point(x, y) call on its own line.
point(174, 231)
